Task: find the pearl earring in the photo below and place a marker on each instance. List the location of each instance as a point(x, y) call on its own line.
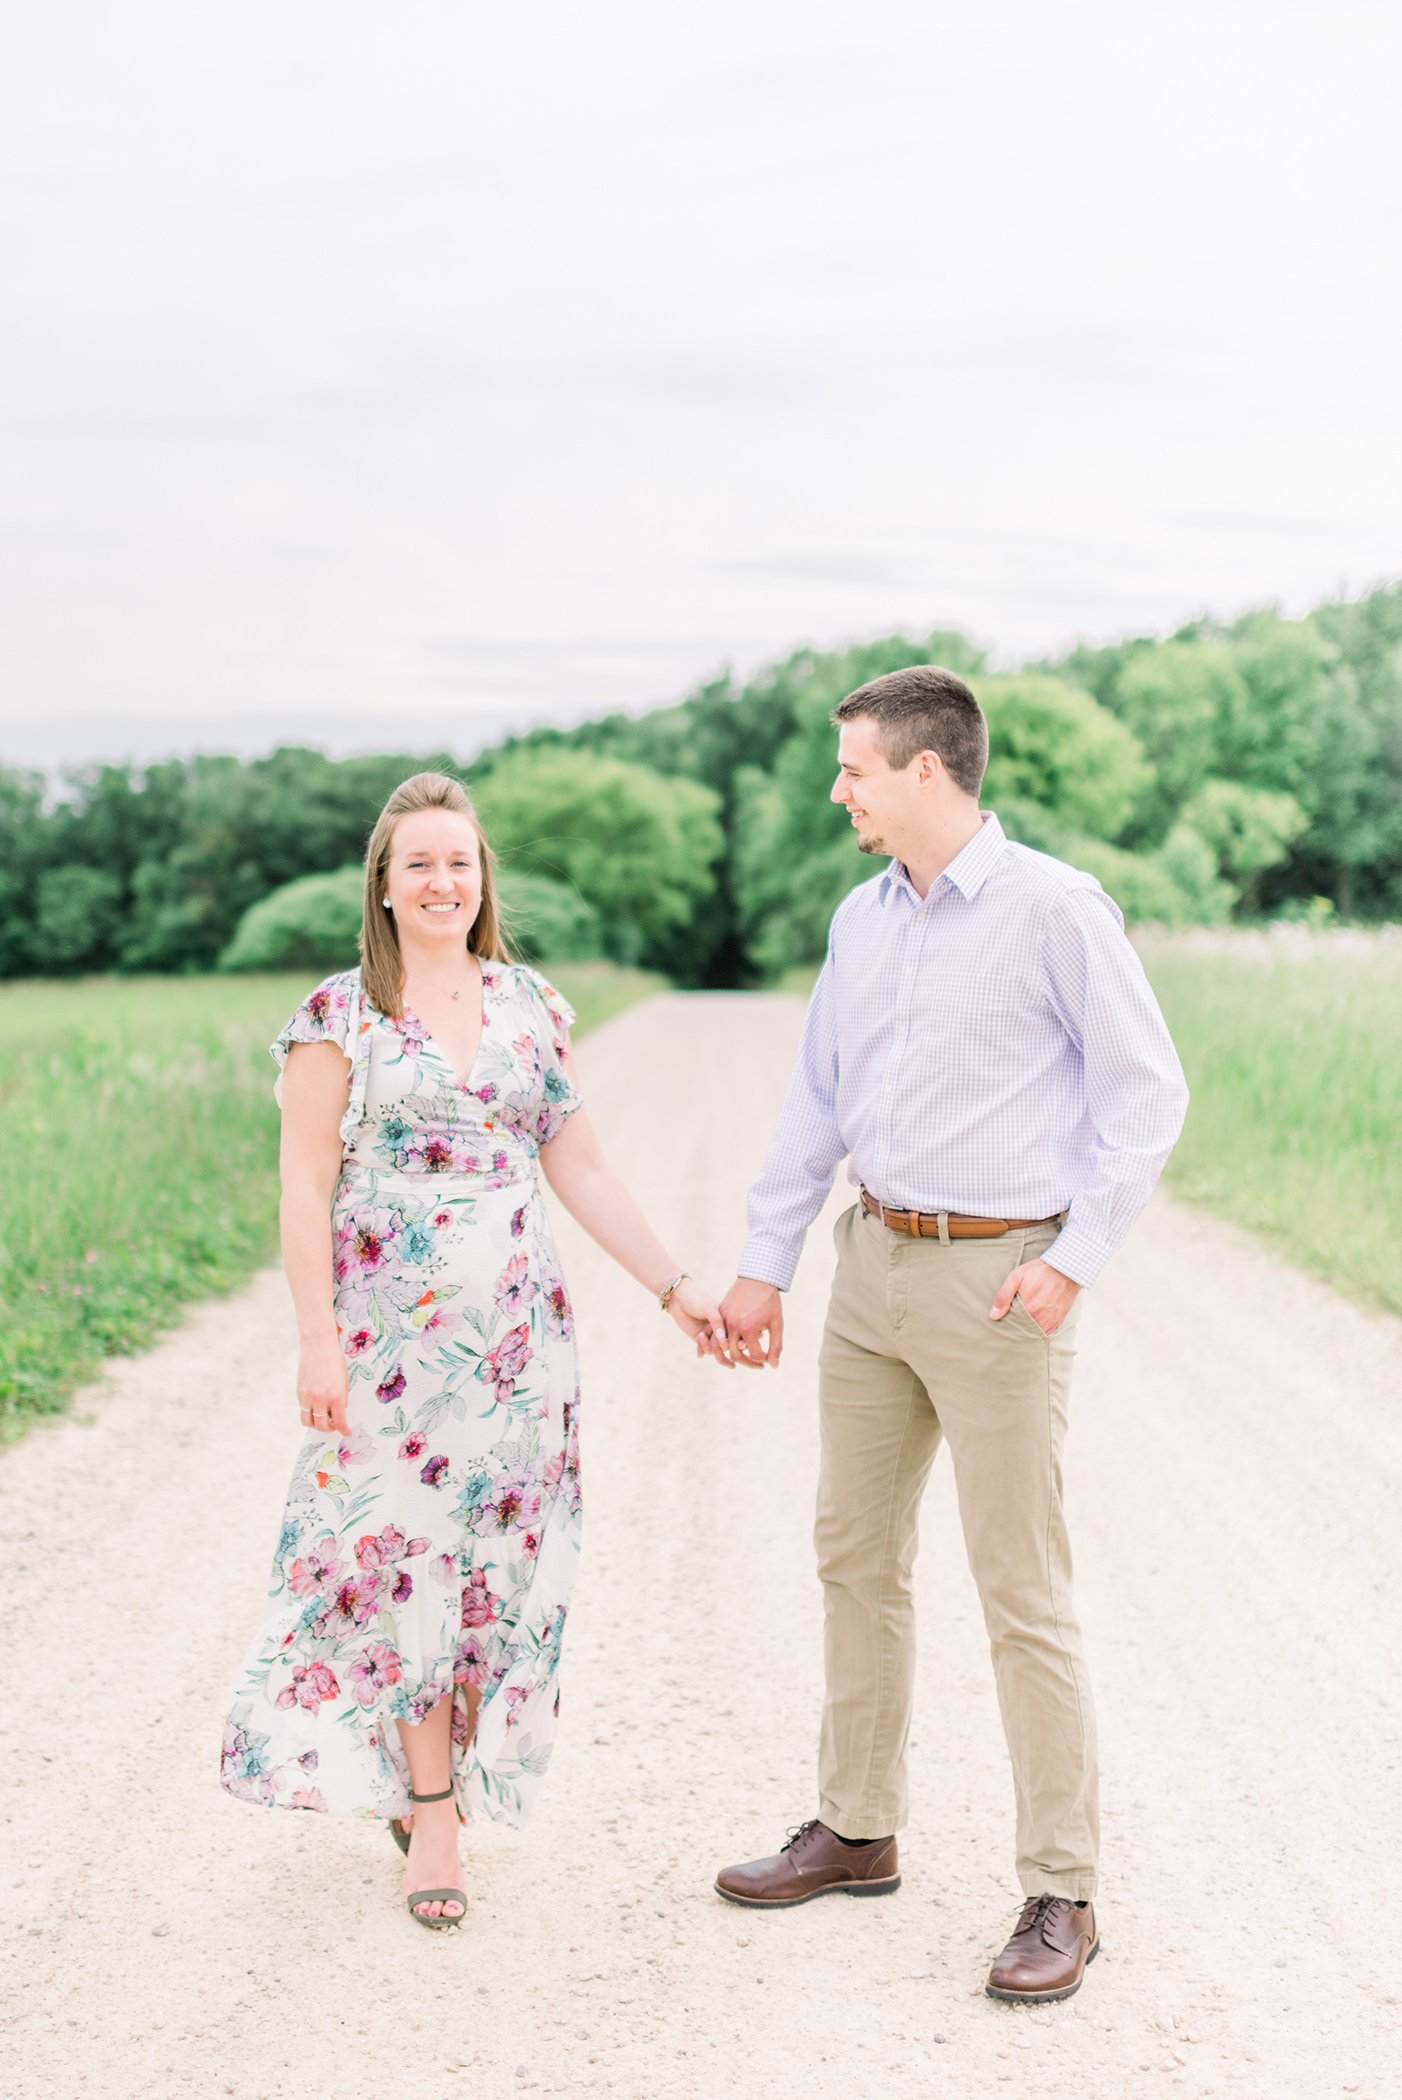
point(385, 902)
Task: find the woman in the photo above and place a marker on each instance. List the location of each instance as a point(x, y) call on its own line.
point(431, 1534)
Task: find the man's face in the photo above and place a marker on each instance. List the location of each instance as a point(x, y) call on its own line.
point(880, 801)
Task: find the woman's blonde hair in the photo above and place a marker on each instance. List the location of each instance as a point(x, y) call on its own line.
point(381, 963)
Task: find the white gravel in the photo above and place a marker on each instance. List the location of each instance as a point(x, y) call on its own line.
point(1235, 1479)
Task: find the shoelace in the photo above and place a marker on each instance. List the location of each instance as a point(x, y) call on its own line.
point(800, 1830)
point(1036, 1911)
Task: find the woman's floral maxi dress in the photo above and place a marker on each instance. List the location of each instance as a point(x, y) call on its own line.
point(433, 1548)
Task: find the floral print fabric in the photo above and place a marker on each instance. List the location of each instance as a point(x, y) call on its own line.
point(434, 1547)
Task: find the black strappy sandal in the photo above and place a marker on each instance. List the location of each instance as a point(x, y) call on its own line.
point(401, 1838)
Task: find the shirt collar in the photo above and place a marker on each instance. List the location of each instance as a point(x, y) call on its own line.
point(967, 872)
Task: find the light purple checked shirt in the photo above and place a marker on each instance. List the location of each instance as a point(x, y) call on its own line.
point(994, 1050)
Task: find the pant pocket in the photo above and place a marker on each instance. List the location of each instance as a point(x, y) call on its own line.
point(1018, 1317)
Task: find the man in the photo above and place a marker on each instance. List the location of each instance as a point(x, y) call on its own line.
point(983, 1046)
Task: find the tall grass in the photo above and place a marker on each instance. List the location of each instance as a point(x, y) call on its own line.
point(1292, 1044)
point(138, 1158)
point(138, 1149)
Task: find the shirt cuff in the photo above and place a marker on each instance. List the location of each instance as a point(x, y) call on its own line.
point(1076, 1254)
point(769, 1261)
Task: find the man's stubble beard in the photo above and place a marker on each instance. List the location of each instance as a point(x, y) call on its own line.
point(870, 845)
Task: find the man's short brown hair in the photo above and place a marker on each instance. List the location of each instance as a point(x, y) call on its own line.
point(924, 708)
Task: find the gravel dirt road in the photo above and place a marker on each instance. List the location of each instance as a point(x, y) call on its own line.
point(1236, 1486)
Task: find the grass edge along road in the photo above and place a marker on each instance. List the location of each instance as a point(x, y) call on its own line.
point(1289, 1041)
point(138, 1155)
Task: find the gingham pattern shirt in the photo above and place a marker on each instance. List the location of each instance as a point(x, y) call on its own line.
point(993, 1049)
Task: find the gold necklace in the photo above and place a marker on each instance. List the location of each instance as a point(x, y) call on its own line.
point(438, 987)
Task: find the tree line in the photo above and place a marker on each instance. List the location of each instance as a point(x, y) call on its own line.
point(1232, 770)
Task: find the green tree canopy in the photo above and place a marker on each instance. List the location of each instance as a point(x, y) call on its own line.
point(702, 834)
point(311, 923)
point(1247, 829)
point(639, 847)
point(1051, 744)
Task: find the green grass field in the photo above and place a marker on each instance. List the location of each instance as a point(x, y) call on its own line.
point(1292, 1051)
point(138, 1158)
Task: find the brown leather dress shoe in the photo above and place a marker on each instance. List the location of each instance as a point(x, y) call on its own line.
point(1047, 1954)
point(814, 1862)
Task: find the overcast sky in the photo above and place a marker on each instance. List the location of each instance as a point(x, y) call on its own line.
point(376, 375)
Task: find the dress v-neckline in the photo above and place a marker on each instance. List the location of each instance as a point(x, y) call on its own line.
point(427, 1036)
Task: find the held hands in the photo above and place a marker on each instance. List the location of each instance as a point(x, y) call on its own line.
point(1046, 1293)
point(321, 1385)
point(753, 1331)
point(698, 1316)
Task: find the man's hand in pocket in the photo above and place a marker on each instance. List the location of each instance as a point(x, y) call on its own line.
point(1046, 1293)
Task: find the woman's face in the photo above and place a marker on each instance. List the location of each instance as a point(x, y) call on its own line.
point(435, 878)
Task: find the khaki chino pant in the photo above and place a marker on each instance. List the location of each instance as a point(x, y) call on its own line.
point(910, 1356)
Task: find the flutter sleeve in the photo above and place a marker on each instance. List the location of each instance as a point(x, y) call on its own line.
point(332, 1014)
point(560, 1097)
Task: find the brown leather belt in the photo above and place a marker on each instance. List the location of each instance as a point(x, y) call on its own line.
point(925, 1225)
